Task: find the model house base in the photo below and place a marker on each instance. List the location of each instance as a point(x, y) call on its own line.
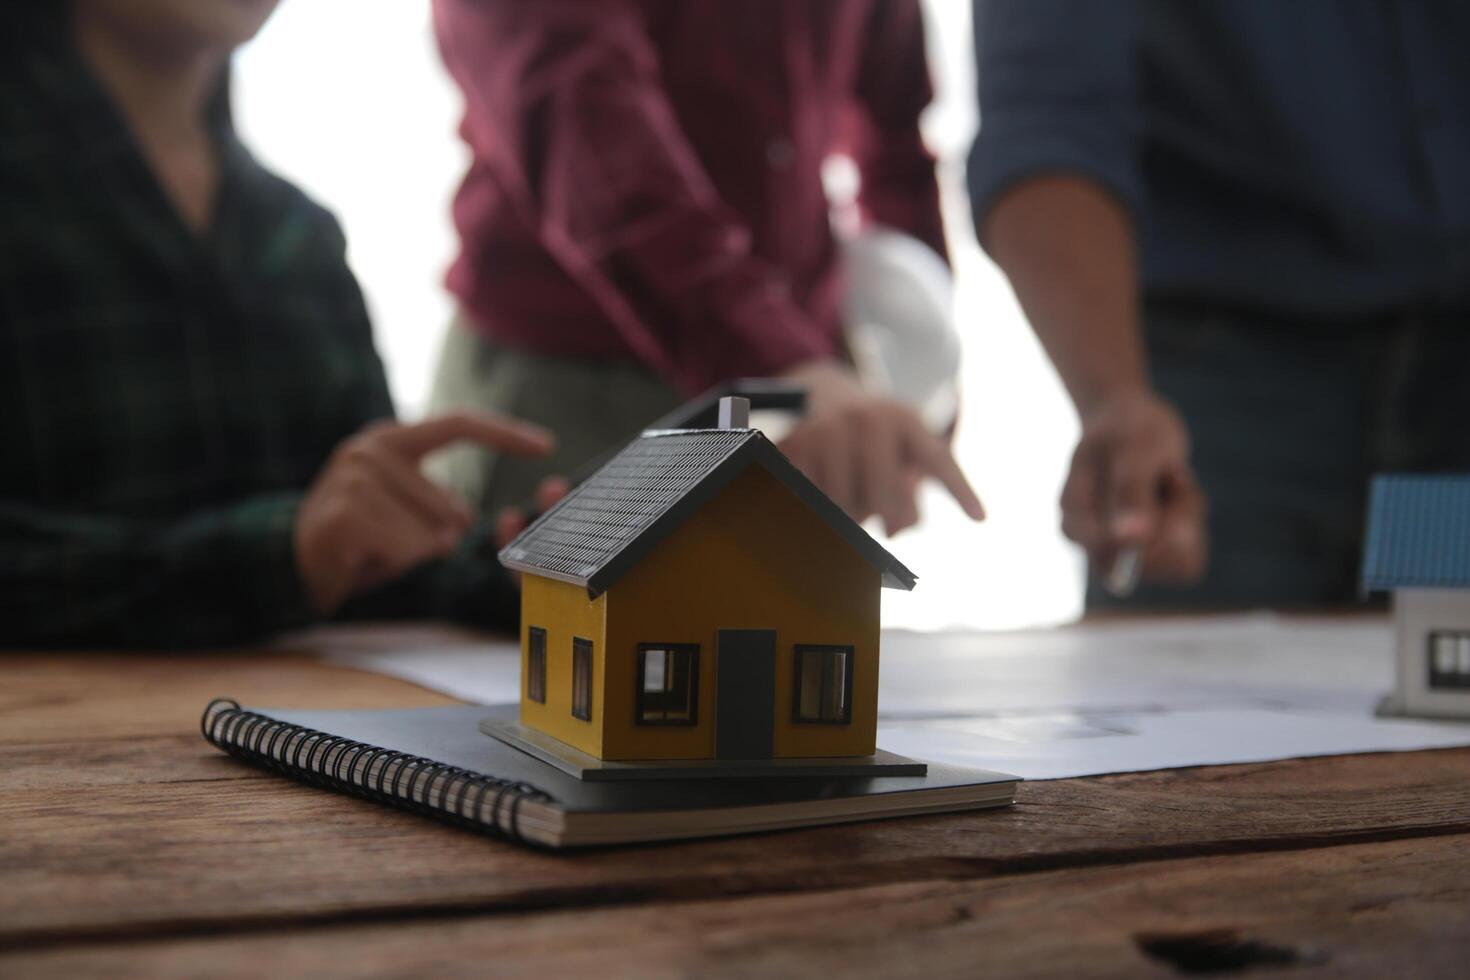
point(576, 763)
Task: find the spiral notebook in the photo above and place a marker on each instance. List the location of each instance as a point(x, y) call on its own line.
point(435, 761)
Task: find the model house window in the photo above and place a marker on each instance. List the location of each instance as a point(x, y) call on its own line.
point(581, 678)
point(1449, 659)
point(668, 683)
point(536, 664)
point(823, 691)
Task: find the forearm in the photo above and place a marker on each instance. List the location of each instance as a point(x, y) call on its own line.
point(224, 576)
point(1068, 248)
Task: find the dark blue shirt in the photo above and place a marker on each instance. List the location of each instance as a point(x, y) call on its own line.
point(1308, 157)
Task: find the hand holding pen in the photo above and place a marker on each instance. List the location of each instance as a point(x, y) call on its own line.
point(1131, 499)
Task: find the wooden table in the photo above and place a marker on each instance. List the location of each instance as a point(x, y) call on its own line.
point(130, 847)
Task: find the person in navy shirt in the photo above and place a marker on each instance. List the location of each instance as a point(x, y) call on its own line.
point(1241, 229)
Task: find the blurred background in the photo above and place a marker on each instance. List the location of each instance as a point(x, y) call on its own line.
point(365, 121)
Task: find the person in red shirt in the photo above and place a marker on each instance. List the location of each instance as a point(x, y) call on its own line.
point(644, 217)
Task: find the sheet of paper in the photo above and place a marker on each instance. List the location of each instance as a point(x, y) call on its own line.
point(463, 664)
point(1165, 663)
point(1119, 696)
point(1057, 746)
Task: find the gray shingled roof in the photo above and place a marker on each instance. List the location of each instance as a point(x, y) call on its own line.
point(1418, 533)
point(614, 518)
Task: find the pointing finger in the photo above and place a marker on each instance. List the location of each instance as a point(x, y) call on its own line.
point(935, 458)
point(492, 432)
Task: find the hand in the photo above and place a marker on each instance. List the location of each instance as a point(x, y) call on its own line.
point(869, 453)
point(1131, 486)
point(511, 521)
point(372, 515)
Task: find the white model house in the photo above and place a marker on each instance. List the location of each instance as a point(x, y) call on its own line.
point(1418, 548)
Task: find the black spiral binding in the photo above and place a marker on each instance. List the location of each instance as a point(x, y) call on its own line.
point(401, 780)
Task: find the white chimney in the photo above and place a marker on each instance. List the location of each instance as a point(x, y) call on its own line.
point(734, 412)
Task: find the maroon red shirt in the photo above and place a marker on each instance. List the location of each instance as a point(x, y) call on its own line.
point(646, 180)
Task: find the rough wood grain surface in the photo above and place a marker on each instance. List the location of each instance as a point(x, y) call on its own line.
point(124, 831)
point(68, 697)
point(1369, 910)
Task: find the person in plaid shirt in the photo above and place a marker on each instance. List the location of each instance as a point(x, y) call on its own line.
point(197, 432)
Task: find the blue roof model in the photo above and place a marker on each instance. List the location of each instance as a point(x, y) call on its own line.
point(1418, 533)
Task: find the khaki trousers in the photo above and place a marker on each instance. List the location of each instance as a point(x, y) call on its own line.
point(594, 407)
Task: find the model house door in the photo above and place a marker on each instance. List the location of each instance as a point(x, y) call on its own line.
point(745, 693)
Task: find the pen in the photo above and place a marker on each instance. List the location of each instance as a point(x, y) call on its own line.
point(1122, 578)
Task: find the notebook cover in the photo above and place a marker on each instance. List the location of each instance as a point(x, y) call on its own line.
point(437, 739)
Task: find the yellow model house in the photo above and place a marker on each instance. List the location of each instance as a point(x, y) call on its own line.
point(699, 599)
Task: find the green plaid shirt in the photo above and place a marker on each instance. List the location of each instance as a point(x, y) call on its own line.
point(166, 397)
